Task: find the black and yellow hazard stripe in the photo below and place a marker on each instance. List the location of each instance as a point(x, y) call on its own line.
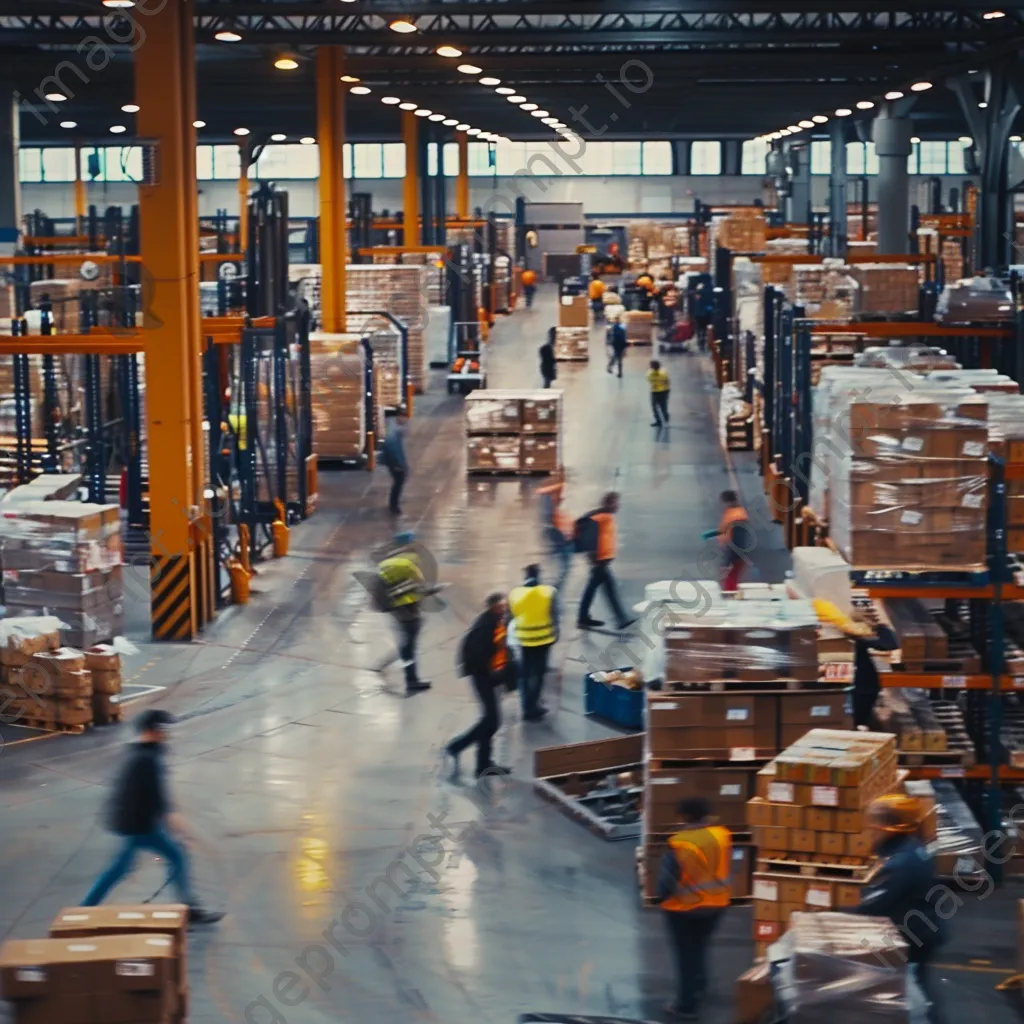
point(171, 598)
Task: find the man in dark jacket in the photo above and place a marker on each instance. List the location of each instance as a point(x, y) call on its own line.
point(139, 812)
point(900, 888)
point(866, 686)
point(392, 455)
point(618, 344)
point(480, 651)
point(548, 370)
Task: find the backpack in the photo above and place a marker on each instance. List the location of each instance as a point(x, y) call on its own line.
point(585, 534)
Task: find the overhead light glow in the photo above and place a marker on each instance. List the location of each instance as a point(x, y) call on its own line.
point(69, 124)
point(819, 119)
point(450, 122)
point(469, 69)
point(865, 105)
point(490, 81)
point(894, 94)
point(402, 25)
point(391, 101)
point(422, 112)
point(794, 129)
point(131, 108)
point(920, 86)
point(516, 99)
point(472, 131)
point(278, 137)
point(55, 97)
point(843, 112)
point(992, 15)
point(448, 51)
point(241, 131)
point(505, 91)
point(198, 124)
point(350, 78)
point(785, 131)
point(551, 121)
point(915, 140)
point(359, 90)
point(436, 117)
point(286, 62)
point(118, 3)
point(982, 105)
point(406, 106)
point(308, 141)
point(806, 124)
point(775, 136)
point(1013, 138)
point(227, 35)
point(118, 129)
point(462, 127)
point(540, 113)
point(966, 140)
point(529, 106)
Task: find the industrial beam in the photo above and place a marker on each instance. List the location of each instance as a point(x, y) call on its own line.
point(164, 69)
point(330, 103)
point(462, 182)
point(411, 184)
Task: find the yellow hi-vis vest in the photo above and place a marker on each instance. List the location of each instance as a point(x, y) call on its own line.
point(402, 577)
point(704, 856)
point(531, 608)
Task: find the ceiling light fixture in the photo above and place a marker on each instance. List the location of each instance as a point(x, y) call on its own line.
point(469, 69)
point(915, 140)
point(450, 122)
point(462, 127)
point(843, 112)
point(402, 26)
point(516, 99)
point(819, 119)
point(286, 62)
point(982, 105)
point(436, 117)
point(227, 35)
point(540, 113)
point(966, 140)
point(359, 90)
point(118, 129)
point(993, 15)
point(775, 136)
point(806, 124)
point(505, 91)
point(448, 51)
point(406, 106)
point(794, 129)
point(472, 131)
point(422, 112)
point(490, 81)
point(242, 131)
point(865, 105)
point(350, 78)
point(920, 86)
point(307, 141)
point(529, 106)
point(131, 108)
point(55, 97)
point(198, 124)
point(118, 3)
point(278, 137)
point(551, 121)
point(391, 101)
point(69, 124)
point(1013, 138)
point(894, 94)
point(785, 131)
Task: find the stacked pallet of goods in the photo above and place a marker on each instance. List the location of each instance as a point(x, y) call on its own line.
point(886, 289)
point(810, 828)
point(338, 371)
point(740, 684)
point(514, 432)
point(572, 344)
point(743, 230)
point(639, 326)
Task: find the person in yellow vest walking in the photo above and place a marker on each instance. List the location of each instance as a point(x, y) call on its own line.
point(657, 377)
point(693, 885)
point(403, 588)
point(534, 609)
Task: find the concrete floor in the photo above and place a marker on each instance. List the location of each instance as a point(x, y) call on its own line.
point(308, 780)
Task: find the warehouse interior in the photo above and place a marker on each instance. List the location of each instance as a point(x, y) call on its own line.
point(298, 294)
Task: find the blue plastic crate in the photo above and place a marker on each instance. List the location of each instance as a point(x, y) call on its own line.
point(614, 703)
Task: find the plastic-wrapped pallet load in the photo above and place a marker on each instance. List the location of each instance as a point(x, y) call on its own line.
point(572, 344)
point(885, 288)
point(513, 431)
point(338, 373)
point(975, 300)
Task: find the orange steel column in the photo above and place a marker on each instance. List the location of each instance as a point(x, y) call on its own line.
point(168, 215)
point(411, 185)
point(330, 110)
point(462, 181)
point(79, 192)
point(243, 196)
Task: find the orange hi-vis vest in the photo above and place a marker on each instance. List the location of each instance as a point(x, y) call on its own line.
point(607, 536)
point(499, 660)
point(732, 516)
point(529, 277)
point(704, 856)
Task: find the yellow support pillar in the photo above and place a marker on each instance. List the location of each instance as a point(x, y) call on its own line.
point(330, 109)
point(243, 196)
point(168, 215)
point(80, 210)
point(462, 181)
point(411, 186)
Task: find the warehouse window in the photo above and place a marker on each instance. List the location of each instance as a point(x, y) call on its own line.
point(30, 165)
point(931, 157)
point(706, 158)
point(754, 157)
point(861, 158)
point(227, 163)
point(657, 158)
point(204, 162)
point(480, 160)
point(451, 159)
point(627, 158)
point(288, 161)
point(122, 163)
point(59, 164)
point(367, 160)
point(821, 156)
point(955, 157)
point(346, 160)
point(393, 159)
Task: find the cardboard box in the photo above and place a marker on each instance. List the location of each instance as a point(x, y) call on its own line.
point(593, 755)
point(832, 844)
point(859, 845)
point(820, 819)
point(754, 995)
point(774, 839)
point(574, 311)
point(789, 816)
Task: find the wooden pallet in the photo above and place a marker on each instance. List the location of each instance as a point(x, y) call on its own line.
point(762, 685)
point(572, 359)
point(510, 472)
point(716, 758)
point(967, 666)
point(575, 809)
point(45, 725)
point(859, 872)
point(932, 758)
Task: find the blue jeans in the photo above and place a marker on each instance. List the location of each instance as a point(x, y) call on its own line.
point(532, 670)
point(563, 549)
point(159, 842)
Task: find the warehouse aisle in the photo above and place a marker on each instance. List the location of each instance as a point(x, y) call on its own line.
point(312, 786)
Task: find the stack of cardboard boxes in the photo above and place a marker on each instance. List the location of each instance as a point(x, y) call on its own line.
point(574, 311)
point(885, 288)
point(743, 230)
point(809, 824)
point(639, 327)
point(101, 964)
point(572, 344)
point(338, 370)
point(103, 663)
point(513, 431)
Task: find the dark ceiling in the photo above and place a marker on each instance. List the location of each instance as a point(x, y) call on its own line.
point(712, 68)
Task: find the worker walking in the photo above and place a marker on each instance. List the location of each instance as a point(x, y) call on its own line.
point(558, 527)
point(657, 377)
point(703, 312)
point(901, 887)
point(483, 658)
point(392, 455)
point(534, 609)
point(140, 813)
point(596, 536)
point(529, 286)
point(548, 369)
point(595, 292)
point(618, 344)
point(403, 588)
point(736, 539)
point(693, 885)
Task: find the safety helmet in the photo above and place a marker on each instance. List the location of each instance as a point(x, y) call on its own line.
point(405, 537)
point(896, 814)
